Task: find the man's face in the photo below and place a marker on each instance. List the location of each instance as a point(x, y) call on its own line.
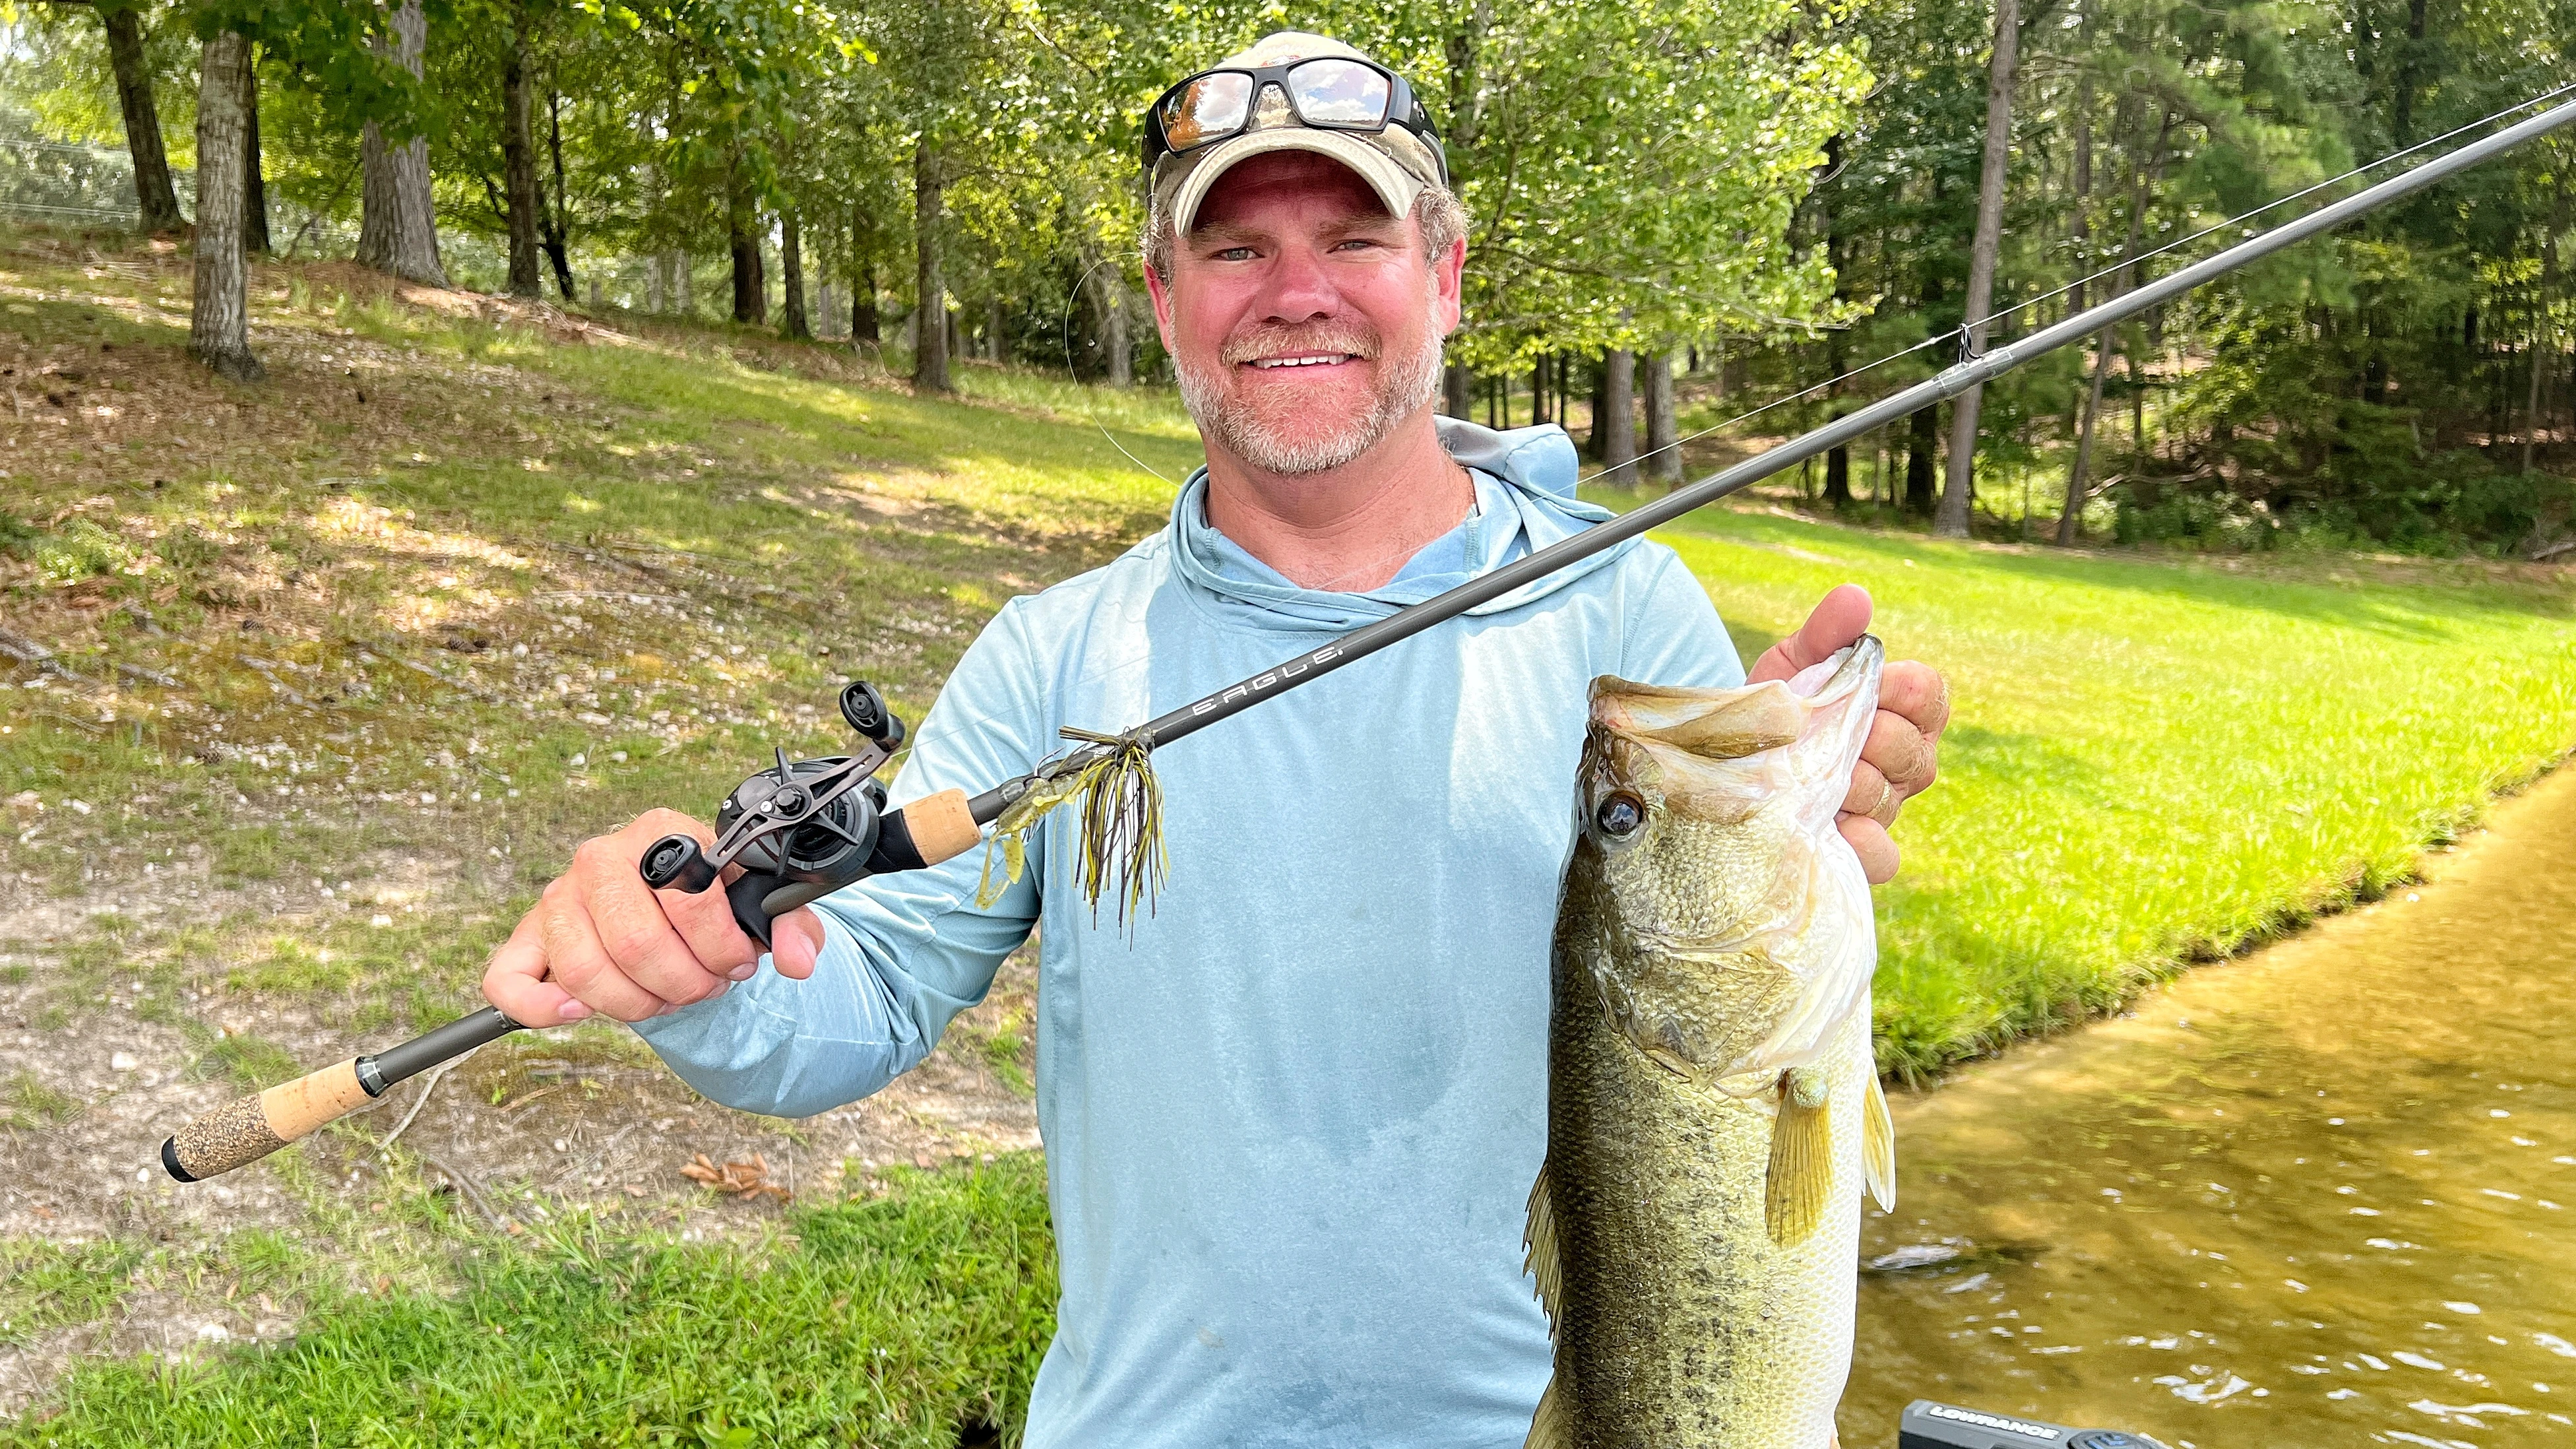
point(1304, 321)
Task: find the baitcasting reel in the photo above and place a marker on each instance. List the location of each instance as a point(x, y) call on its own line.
point(801, 829)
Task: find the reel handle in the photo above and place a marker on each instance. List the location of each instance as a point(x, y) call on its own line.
point(921, 834)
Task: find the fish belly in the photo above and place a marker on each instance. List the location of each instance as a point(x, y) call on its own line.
point(1680, 1324)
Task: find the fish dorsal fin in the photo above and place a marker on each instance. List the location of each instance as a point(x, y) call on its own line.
point(1801, 1174)
point(1548, 1427)
point(1878, 1144)
point(1539, 1239)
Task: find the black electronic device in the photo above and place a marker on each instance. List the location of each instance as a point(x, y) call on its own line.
point(1927, 1425)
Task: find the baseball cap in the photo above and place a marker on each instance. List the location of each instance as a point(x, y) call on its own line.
point(1395, 162)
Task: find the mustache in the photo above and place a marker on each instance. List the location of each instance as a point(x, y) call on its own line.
point(1272, 339)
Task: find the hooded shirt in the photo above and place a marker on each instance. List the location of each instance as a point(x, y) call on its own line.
point(1292, 1115)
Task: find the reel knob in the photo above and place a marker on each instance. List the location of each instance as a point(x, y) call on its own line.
point(865, 711)
point(676, 862)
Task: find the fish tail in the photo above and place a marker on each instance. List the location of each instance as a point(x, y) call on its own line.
point(1801, 1174)
point(1878, 1143)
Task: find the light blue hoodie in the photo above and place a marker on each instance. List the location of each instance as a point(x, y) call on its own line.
point(1290, 1129)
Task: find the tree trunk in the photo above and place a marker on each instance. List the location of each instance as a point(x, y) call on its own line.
point(675, 289)
point(750, 288)
point(254, 185)
point(1457, 387)
point(864, 326)
point(1952, 521)
point(1117, 347)
point(398, 223)
point(557, 239)
point(930, 297)
point(1538, 391)
point(1922, 443)
point(1619, 401)
point(2070, 519)
point(791, 273)
point(219, 314)
point(997, 342)
point(1663, 429)
point(1596, 438)
point(152, 189)
point(519, 162)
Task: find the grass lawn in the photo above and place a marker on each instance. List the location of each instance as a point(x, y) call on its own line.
point(312, 684)
point(2157, 761)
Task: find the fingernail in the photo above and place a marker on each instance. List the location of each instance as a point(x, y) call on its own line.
point(572, 1011)
point(745, 971)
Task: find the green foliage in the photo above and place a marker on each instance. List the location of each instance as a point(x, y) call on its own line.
point(895, 1321)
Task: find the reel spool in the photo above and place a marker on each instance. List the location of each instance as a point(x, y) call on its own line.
point(799, 830)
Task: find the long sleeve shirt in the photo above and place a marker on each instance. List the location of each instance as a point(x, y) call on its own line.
point(1292, 1115)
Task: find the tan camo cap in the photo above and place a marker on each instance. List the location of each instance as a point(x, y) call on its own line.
point(1396, 165)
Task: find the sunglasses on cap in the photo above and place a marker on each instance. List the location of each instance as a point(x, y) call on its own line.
point(1326, 93)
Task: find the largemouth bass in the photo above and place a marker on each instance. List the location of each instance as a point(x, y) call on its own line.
point(1713, 1111)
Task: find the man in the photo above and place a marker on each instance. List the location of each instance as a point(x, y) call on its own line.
point(1291, 1125)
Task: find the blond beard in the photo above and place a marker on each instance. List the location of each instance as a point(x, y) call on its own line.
point(1405, 386)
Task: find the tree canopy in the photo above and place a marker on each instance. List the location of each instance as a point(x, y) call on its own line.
point(1773, 191)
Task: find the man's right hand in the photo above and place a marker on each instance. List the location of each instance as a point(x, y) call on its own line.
point(600, 940)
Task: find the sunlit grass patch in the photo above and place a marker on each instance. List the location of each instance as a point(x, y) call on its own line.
point(2155, 761)
point(887, 1321)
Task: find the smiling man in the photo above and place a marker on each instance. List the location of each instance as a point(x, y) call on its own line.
point(1291, 1124)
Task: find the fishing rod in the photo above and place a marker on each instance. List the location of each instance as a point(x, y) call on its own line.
point(805, 828)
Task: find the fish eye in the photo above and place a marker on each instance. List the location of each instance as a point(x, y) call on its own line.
point(1620, 815)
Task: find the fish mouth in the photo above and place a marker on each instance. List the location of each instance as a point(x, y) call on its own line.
point(1733, 722)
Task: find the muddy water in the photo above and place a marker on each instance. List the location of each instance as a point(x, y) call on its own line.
point(2323, 1196)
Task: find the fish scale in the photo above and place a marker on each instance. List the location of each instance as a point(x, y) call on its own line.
point(1695, 1239)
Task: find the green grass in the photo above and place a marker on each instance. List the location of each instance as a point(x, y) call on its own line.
point(2154, 761)
point(887, 1322)
point(44, 1287)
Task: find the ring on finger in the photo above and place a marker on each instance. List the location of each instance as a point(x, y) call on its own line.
point(1886, 797)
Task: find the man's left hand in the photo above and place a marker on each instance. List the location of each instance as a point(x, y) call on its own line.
point(1902, 755)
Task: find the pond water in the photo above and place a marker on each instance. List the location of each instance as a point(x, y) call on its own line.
point(2325, 1195)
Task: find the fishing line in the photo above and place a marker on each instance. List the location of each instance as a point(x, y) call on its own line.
point(1071, 376)
point(1962, 331)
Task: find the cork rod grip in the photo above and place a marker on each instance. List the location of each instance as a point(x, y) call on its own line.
point(255, 1126)
point(942, 825)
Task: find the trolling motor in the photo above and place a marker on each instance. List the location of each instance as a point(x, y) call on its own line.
point(1927, 1425)
point(798, 831)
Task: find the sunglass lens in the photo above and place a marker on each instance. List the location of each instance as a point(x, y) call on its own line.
point(1207, 109)
point(1339, 93)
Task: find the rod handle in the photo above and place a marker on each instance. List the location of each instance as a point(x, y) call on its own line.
point(257, 1125)
point(941, 825)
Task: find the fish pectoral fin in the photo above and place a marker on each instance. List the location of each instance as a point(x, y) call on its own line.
point(1548, 1427)
point(1539, 1239)
point(1802, 1157)
point(1878, 1144)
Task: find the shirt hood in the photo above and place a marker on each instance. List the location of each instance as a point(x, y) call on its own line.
point(1525, 501)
